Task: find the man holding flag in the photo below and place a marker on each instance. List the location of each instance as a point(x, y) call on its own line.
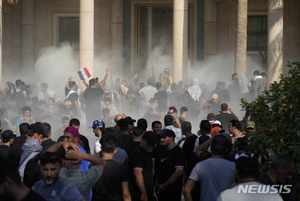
point(71, 94)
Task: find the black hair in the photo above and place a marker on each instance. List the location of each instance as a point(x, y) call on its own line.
point(109, 131)
point(123, 124)
point(183, 109)
point(105, 111)
point(74, 122)
point(173, 108)
point(256, 72)
point(47, 128)
point(155, 122)
point(65, 118)
point(25, 108)
point(168, 120)
point(186, 126)
point(92, 82)
point(219, 145)
point(173, 86)
point(263, 74)
point(42, 102)
point(236, 123)
point(158, 85)
point(224, 107)
point(72, 84)
point(108, 143)
point(137, 131)
point(23, 127)
point(205, 125)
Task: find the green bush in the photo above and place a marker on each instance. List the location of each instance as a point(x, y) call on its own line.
point(277, 116)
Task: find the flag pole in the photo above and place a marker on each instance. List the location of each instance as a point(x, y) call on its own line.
point(74, 74)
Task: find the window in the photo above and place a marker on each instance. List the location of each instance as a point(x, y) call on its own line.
point(66, 29)
point(257, 33)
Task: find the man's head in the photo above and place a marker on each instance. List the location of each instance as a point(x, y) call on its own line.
point(284, 166)
point(256, 73)
point(50, 167)
point(224, 107)
point(142, 123)
point(264, 75)
point(44, 87)
point(18, 83)
point(148, 141)
point(24, 128)
point(107, 101)
point(234, 76)
point(130, 123)
point(246, 165)
point(65, 121)
point(47, 129)
point(150, 81)
point(205, 127)
point(108, 143)
point(51, 101)
point(72, 85)
point(250, 125)
point(75, 123)
point(137, 132)
point(184, 111)
point(211, 117)
point(36, 131)
point(123, 125)
point(220, 145)
point(215, 98)
point(167, 137)
point(8, 137)
point(118, 117)
point(168, 120)
point(172, 110)
point(234, 126)
point(71, 134)
point(173, 87)
point(105, 112)
point(156, 127)
point(219, 85)
point(98, 127)
point(186, 127)
point(26, 111)
point(159, 86)
point(67, 103)
point(167, 71)
point(92, 82)
point(42, 104)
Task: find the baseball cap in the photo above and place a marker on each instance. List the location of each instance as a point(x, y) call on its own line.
point(142, 123)
point(150, 137)
point(49, 157)
point(130, 120)
point(233, 75)
point(214, 96)
point(250, 124)
point(74, 131)
point(98, 123)
point(37, 128)
point(7, 135)
point(167, 133)
point(217, 122)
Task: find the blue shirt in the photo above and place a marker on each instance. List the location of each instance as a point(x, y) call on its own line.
point(84, 164)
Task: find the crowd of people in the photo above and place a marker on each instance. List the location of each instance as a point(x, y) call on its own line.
point(156, 157)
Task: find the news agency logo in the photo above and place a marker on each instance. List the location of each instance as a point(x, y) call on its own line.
point(259, 188)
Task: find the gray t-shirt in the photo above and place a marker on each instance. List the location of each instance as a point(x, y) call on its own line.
point(61, 190)
point(215, 175)
point(83, 180)
point(244, 88)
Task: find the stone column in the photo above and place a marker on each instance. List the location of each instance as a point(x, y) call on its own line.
point(117, 37)
point(241, 38)
point(210, 28)
point(180, 34)
point(86, 35)
point(275, 39)
point(27, 34)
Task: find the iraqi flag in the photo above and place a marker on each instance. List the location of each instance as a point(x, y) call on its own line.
point(84, 73)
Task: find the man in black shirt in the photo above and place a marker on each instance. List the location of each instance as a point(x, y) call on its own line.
point(140, 169)
point(92, 96)
point(161, 97)
point(169, 179)
point(225, 117)
point(113, 183)
point(8, 138)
